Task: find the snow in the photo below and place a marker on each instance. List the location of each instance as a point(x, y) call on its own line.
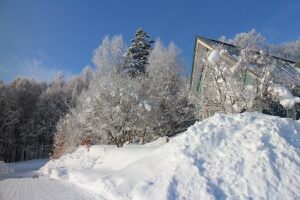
point(286, 98)
point(289, 103)
point(4, 168)
point(23, 169)
point(281, 92)
point(214, 56)
point(147, 106)
point(242, 156)
point(297, 69)
point(23, 183)
point(41, 188)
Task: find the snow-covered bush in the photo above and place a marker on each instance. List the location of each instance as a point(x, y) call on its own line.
point(250, 81)
point(118, 108)
point(230, 85)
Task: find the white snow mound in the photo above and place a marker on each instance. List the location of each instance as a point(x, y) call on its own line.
point(244, 156)
point(4, 168)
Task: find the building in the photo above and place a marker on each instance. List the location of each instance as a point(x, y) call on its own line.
point(285, 73)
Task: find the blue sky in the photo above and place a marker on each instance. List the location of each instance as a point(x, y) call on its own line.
point(39, 38)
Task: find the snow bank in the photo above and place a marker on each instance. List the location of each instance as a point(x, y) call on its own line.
point(286, 98)
point(245, 156)
point(4, 168)
point(24, 169)
point(29, 165)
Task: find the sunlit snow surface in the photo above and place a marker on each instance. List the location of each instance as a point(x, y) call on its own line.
point(245, 156)
point(21, 181)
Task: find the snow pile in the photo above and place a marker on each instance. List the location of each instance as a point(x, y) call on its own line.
point(4, 168)
point(286, 98)
point(245, 156)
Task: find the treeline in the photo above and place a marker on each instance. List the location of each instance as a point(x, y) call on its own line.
point(30, 110)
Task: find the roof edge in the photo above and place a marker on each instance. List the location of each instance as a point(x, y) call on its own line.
point(203, 39)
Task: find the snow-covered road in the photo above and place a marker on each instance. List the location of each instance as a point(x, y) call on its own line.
point(21, 181)
point(40, 189)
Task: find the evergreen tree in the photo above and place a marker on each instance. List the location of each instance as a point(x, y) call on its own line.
point(138, 52)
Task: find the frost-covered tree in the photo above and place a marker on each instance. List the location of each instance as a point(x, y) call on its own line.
point(118, 109)
point(80, 83)
point(286, 78)
point(250, 40)
point(21, 97)
point(232, 85)
point(251, 81)
point(138, 52)
point(109, 111)
point(254, 40)
point(168, 89)
point(289, 50)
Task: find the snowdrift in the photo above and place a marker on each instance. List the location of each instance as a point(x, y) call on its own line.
point(245, 156)
point(4, 168)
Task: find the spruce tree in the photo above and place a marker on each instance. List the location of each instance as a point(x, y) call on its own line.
point(138, 53)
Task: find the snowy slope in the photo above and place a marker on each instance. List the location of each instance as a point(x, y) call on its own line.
point(245, 156)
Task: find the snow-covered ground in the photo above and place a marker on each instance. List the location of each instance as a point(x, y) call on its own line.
point(21, 169)
point(244, 156)
point(21, 181)
point(41, 189)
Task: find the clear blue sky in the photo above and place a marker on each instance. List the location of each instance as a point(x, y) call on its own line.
point(39, 38)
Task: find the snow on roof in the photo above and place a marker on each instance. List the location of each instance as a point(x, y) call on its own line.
point(285, 97)
point(286, 72)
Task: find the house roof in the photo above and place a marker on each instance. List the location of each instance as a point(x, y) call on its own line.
point(286, 72)
point(211, 43)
